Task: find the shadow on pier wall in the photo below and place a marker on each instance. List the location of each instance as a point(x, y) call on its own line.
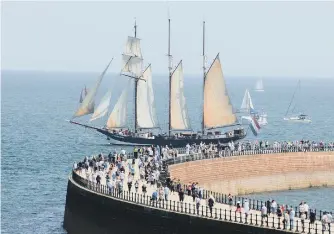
point(87, 212)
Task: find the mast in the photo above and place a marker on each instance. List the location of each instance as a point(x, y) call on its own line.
point(203, 75)
point(170, 78)
point(292, 98)
point(136, 88)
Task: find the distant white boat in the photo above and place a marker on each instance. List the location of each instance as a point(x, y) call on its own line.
point(248, 107)
point(259, 86)
point(301, 118)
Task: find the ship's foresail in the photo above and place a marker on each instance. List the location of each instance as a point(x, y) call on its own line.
point(146, 116)
point(179, 112)
point(218, 110)
point(87, 105)
point(102, 108)
point(118, 116)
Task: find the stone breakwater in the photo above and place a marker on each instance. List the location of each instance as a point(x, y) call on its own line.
point(247, 174)
point(94, 208)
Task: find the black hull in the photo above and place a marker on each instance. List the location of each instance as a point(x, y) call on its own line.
point(180, 142)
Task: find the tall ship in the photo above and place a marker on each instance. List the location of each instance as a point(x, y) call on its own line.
point(217, 111)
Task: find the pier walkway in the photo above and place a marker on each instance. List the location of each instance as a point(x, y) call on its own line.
point(220, 211)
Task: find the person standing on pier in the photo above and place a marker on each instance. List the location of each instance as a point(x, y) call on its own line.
point(306, 209)
point(211, 202)
point(301, 209)
point(161, 193)
point(181, 195)
point(143, 189)
point(273, 207)
point(198, 203)
point(187, 149)
point(166, 192)
point(230, 200)
point(136, 186)
point(285, 220)
point(130, 178)
point(263, 214)
point(292, 218)
point(246, 208)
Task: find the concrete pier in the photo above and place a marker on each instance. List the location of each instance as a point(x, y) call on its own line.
point(85, 200)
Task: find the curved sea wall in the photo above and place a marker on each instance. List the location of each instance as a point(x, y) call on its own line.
point(90, 211)
point(247, 174)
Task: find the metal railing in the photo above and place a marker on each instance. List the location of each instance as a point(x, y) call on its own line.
point(226, 215)
point(193, 156)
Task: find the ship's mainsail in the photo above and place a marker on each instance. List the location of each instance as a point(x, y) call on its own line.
point(247, 104)
point(218, 111)
point(132, 57)
point(146, 117)
point(102, 108)
point(118, 116)
point(179, 113)
point(87, 105)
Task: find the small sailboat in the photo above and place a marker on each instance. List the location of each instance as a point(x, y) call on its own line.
point(259, 86)
point(217, 108)
point(248, 107)
point(301, 117)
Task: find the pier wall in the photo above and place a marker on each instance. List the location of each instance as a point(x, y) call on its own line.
point(89, 212)
point(259, 173)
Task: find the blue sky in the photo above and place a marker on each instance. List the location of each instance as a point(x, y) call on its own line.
point(291, 39)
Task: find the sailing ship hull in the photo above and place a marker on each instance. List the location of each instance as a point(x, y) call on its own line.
point(176, 142)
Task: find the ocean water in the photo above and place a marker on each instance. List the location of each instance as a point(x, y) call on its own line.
point(39, 146)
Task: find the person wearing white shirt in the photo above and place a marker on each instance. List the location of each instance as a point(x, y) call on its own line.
point(273, 207)
point(198, 203)
point(306, 209)
point(301, 209)
point(246, 207)
point(263, 213)
point(187, 149)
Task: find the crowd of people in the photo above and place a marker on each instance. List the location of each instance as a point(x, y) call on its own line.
point(240, 147)
point(119, 172)
point(288, 214)
point(143, 171)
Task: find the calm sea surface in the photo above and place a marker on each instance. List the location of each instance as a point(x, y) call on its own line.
point(39, 146)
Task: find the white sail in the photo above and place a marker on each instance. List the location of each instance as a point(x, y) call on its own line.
point(118, 116)
point(146, 117)
point(247, 104)
point(259, 85)
point(218, 111)
point(102, 108)
point(179, 113)
point(132, 57)
point(87, 105)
